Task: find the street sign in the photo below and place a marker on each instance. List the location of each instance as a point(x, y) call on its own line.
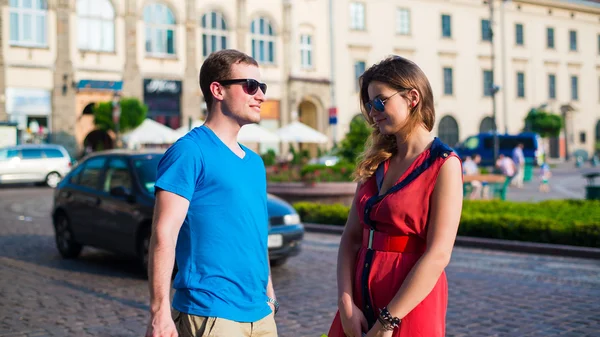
point(332, 116)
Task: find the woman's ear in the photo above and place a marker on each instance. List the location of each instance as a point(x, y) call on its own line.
point(414, 97)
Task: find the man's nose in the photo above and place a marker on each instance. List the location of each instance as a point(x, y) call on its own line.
point(260, 95)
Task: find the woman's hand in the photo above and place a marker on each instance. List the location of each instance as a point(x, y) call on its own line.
point(353, 320)
point(378, 331)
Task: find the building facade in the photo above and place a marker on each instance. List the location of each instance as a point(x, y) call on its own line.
point(60, 57)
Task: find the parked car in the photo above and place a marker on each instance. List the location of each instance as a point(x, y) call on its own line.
point(107, 202)
point(483, 144)
point(40, 163)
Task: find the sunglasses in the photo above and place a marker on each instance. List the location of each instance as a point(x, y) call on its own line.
point(379, 104)
point(250, 85)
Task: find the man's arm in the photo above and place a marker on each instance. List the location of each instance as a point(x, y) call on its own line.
point(270, 289)
point(169, 213)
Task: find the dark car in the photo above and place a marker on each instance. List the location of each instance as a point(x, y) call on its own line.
point(107, 201)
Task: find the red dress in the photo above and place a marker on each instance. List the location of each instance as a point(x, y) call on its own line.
point(401, 213)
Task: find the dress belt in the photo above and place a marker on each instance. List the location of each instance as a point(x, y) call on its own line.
point(392, 243)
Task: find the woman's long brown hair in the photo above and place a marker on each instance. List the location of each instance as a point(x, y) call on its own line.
point(403, 75)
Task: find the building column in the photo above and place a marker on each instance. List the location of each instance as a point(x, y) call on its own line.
point(191, 99)
point(63, 117)
point(3, 114)
point(289, 105)
point(132, 79)
point(242, 26)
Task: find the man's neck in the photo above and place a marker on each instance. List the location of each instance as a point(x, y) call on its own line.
point(224, 127)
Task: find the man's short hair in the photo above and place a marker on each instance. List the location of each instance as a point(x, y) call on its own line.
point(217, 67)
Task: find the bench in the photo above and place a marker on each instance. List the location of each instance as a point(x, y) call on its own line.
point(497, 184)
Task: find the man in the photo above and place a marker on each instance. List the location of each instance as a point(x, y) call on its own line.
point(470, 168)
point(519, 159)
point(506, 166)
point(211, 215)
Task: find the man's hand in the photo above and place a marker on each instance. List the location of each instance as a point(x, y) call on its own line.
point(272, 306)
point(161, 325)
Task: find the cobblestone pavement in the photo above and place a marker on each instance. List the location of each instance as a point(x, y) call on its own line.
point(101, 294)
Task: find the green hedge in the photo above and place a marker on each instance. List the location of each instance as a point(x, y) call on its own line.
point(568, 222)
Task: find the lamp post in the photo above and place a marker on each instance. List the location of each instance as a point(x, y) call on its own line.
point(116, 115)
point(494, 88)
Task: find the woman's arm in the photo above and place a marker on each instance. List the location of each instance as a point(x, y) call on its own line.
point(446, 207)
point(349, 246)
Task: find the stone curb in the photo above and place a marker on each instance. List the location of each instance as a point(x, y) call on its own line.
point(496, 244)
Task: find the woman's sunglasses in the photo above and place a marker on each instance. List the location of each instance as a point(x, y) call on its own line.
point(250, 85)
point(378, 104)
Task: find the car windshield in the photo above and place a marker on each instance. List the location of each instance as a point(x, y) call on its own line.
point(145, 168)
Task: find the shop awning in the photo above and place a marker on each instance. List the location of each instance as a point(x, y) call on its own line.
point(100, 85)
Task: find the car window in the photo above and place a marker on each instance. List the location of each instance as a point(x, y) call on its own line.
point(146, 168)
point(31, 154)
point(91, 172)
point(75, 174)
point(117, 175)
point(53, 153)
point(6, 154)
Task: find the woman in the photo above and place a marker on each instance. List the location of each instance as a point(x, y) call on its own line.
point(403, 222)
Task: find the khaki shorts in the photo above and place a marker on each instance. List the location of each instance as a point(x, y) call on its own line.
point(198, 326)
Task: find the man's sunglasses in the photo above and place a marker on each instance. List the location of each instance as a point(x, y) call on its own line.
point(250, 85)
point(378, 104)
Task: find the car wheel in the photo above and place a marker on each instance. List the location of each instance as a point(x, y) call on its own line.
point(65, 242)
point(52, 179)
point(279, 262)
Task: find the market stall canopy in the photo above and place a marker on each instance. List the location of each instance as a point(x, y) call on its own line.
point(186, 128)
point(254, 133)
point(301, 133)
point(150, 132)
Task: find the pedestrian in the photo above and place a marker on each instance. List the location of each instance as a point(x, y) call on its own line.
point(545, 175)
point(403, 222)
point(506, 165)
point(471, 168)
point(210, 216)
point(519, 159)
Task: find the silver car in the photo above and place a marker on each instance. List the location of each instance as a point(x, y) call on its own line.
point(43, 163)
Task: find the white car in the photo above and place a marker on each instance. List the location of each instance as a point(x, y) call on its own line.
point(40, 163)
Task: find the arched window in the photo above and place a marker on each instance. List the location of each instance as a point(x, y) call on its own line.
point(487, 125)
point(263, 40)
point(598, 134)
point(95, 25)
point(28, 23)
point(160, 30)
point(448, 130)
point(214, 33)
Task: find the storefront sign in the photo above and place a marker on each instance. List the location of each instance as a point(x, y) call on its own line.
point(163, 98)
point(28, 102)
point(156, 86)
point(100, 85)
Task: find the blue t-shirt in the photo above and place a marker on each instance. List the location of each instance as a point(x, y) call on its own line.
point(222, 245)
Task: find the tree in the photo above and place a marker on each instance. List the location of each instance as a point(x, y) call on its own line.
point(133, 113)
point(543, 123)
point(354, 142)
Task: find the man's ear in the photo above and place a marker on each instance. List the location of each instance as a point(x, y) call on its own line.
point(217, 91)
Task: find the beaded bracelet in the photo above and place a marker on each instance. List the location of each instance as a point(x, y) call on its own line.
point(388, 322)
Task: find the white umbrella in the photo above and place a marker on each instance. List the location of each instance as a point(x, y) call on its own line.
point(185, 128)
point(150, 132)
point(301, 133)
point(254, 133)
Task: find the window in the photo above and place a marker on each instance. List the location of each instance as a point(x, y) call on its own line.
point(550, 38)
point(145, 170)
point(448, 82)
point(487, 124)
point(95, 25)
point(53, 153)
point(160, 30)
point(357, 16)
point(359, 69)
point(519, 39)
point(574, 89)
point(582, 137)
point(8, 154)
point(403, 21)
point(520, 84)
point(486, 31)
point(446, 26)
point(263, 41)
point(572, 40)
point(31, 154)
point(306, 51)
point(488, 82)
point(552, 86)
point(448, 130)
point(90, 176)
point(28, 24)
point(117, 175)
point(214, 33)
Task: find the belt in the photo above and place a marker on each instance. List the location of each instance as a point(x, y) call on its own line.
point(392, 243)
